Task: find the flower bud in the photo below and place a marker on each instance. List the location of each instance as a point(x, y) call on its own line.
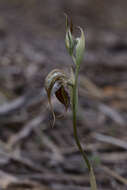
point(80, 47)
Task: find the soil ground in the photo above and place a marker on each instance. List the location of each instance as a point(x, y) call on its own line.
point(34, 156)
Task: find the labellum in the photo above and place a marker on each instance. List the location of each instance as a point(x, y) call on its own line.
point(63, 97)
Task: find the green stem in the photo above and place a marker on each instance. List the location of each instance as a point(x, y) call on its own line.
point(74, 110)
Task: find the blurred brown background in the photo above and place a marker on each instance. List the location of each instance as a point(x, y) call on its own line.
point(32, 154)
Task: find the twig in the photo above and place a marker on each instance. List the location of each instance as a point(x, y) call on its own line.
point(57, 155)
point(114, 174)
point(24, 161)
point(25, 131)
point(10, 181)
point(113, 157)
point(110, 140)
point(113, 114)
point(93, 90)
point(12, 106)
point(22, 102)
